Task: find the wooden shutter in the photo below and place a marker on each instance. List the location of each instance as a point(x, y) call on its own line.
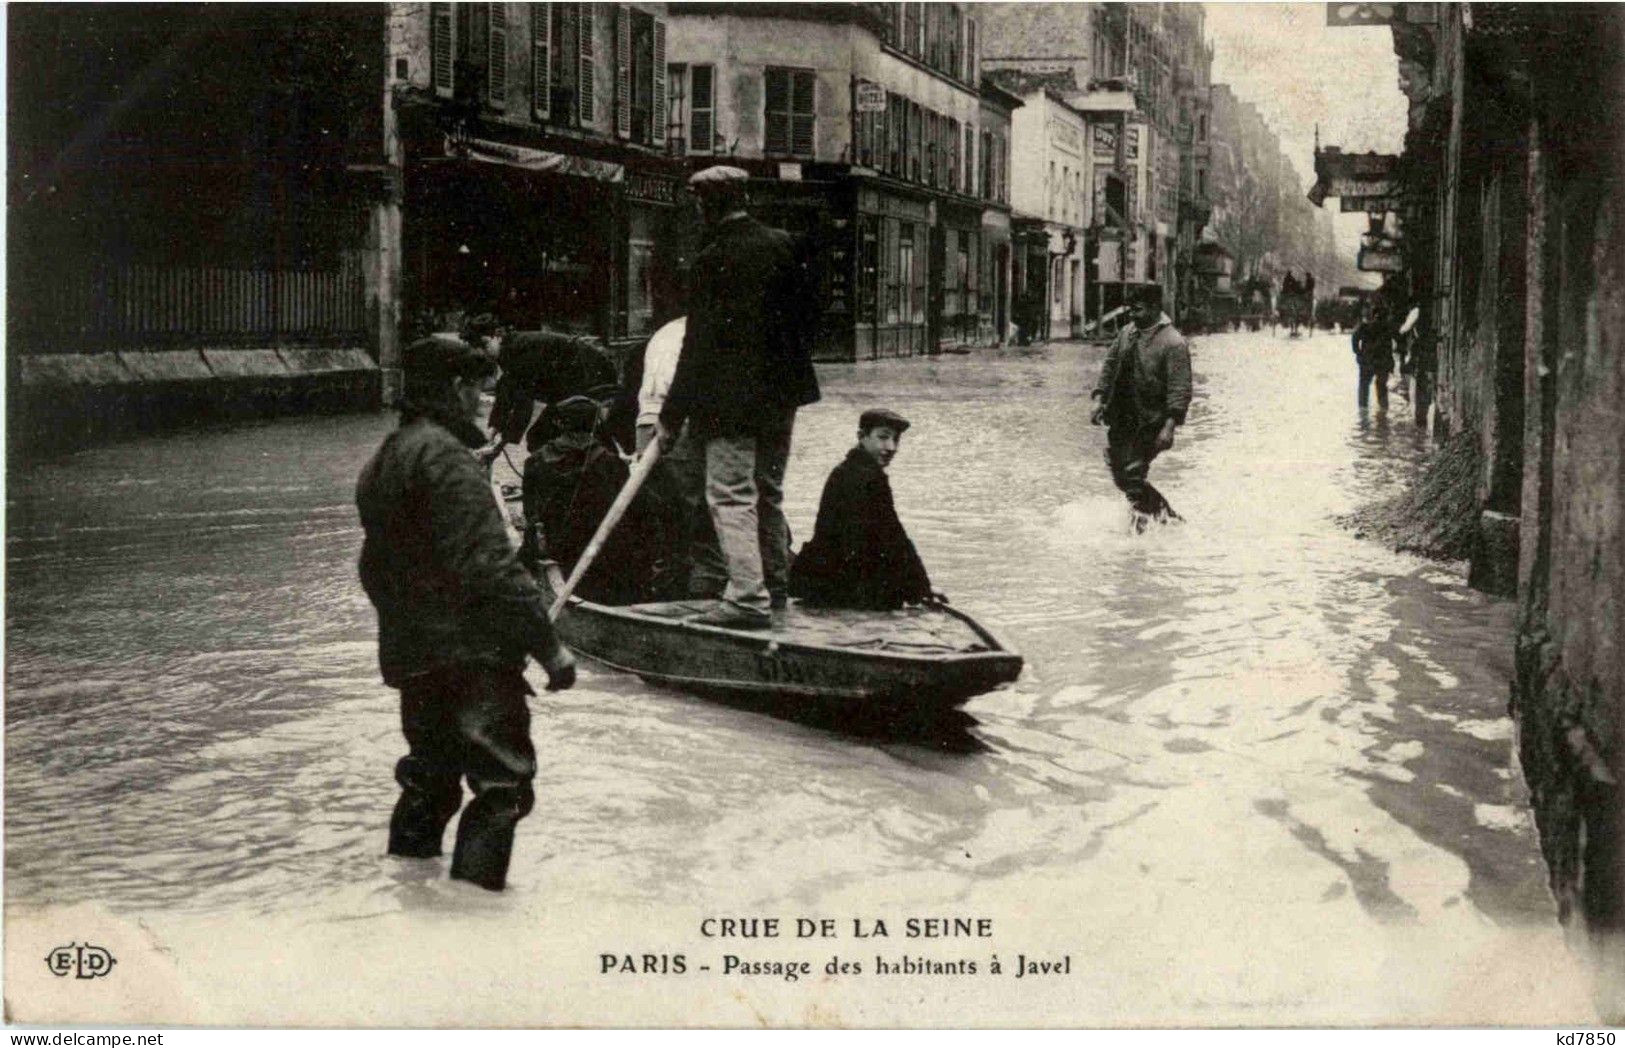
point(776, 111)
point(584, 70)
point(701, 108)
point(541, 60)
point(803, 112)
point(442, 47)
point(623, 71)
point(659, 117)
point(496, 55)
point(971, 65)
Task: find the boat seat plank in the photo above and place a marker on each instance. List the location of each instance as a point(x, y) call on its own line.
point(920, 630)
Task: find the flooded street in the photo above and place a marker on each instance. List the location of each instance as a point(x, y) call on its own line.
point(1256, 767)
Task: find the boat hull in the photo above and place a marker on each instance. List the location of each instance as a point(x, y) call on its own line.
point(713, 660)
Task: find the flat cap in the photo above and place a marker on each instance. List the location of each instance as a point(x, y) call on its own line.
point(876, 417)
point(718, 176)
point(575, 414)
point(441, 356)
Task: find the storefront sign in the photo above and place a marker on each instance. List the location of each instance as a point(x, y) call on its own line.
point(1063, 136)
point(871, 98)
point(872, 202)
point(1105, 137)
point(789, 172)
point(1360, 14)
point(1371, 205)
point(1359, 187)
point(653, 188)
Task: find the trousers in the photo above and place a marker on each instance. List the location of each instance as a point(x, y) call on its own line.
point(1129, 453)
point(464, 722)
point(744, 489)
point(1369, 374)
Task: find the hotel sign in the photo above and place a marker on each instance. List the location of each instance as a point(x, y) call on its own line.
point(871, 98)
point(1370, 261)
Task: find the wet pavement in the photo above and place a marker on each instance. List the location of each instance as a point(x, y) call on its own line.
point(1251, 729)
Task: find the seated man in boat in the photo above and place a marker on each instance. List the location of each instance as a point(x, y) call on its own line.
point(859, 555)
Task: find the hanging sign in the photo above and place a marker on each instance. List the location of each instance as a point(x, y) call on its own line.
point(871, 97)
point(1360, 14)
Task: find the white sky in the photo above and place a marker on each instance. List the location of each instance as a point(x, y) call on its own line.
point(1298, 71)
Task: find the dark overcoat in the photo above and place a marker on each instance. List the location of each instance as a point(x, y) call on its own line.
point(436, 560)
point(859, 555)
point(745, 355)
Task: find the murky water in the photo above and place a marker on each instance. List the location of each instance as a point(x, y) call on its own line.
point(1254, 715)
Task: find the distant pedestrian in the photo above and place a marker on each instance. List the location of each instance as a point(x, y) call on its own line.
point(1373, 341)
point(457, 615)
point(1142, 396)
point(743, 370)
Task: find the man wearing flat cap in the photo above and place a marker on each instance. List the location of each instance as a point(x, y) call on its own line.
point(457, 615)
point(743, 371)
point(859, 555)
point(1143, 394)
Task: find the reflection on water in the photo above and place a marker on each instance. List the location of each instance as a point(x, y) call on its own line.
point(1253, 707)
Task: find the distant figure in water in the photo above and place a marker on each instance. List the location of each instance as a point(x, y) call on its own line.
point(859, 555)
point(1143, 394)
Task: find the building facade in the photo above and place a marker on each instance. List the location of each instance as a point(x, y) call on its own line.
point(531, 143)
point(869, 138)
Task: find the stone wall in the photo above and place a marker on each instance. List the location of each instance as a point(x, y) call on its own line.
point(1570, 685)
point(62, 400)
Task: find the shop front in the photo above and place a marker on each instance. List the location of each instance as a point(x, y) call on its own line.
point(894, 244)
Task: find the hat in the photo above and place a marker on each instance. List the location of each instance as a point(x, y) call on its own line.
point(877, 417)
point(718, 176)
point(575, 414)
point(1148, 295)
point(440, 357)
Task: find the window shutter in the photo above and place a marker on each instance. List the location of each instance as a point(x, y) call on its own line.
point(970, 52)
point(541, 59)
point(584, 70)
point(776, 110)
point(623, 71)
point(659, 118)
point(804, 113)
point(701, 129)
point(442, 44)
point(496, 56)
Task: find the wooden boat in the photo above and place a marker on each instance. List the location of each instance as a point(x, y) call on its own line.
point(926, 658)
point(919, 660)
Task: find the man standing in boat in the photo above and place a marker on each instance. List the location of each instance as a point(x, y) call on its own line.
point(1143, 394)
point(859, 555)
point(743, 371)
point(457, 615)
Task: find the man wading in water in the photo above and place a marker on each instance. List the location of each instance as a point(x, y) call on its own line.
point(1143, 393)
point(457, 614)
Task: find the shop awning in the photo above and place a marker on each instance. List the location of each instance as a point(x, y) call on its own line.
point(540, 160)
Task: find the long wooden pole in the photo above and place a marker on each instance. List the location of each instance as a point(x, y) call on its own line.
point(640, 472)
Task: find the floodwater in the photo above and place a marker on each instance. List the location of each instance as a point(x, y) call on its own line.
point(1258, 769)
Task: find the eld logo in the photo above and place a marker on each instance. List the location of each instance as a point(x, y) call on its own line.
point(81, 962)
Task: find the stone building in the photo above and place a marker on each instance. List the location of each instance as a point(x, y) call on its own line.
point(185, 241)
point(1510, 217)
point(870, 138)
point(531, 144)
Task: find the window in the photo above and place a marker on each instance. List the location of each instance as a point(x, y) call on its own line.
point(969, 161)
point(986, 187)
point(584, 68)
point(677, 106)
point(971, 64)
point(913, 143)
point(541, 60)
point(496, 55)
point(701, 109)
point(895, 136)
point(623, 71)
point(932, 140)
point(911, 28)
point(790, 112)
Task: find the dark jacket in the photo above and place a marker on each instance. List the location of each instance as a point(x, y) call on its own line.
point(744, 355)
point(1146, 378)
point(859, 555)
point(569, 485)
point(436, 561)
point(545, 366)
